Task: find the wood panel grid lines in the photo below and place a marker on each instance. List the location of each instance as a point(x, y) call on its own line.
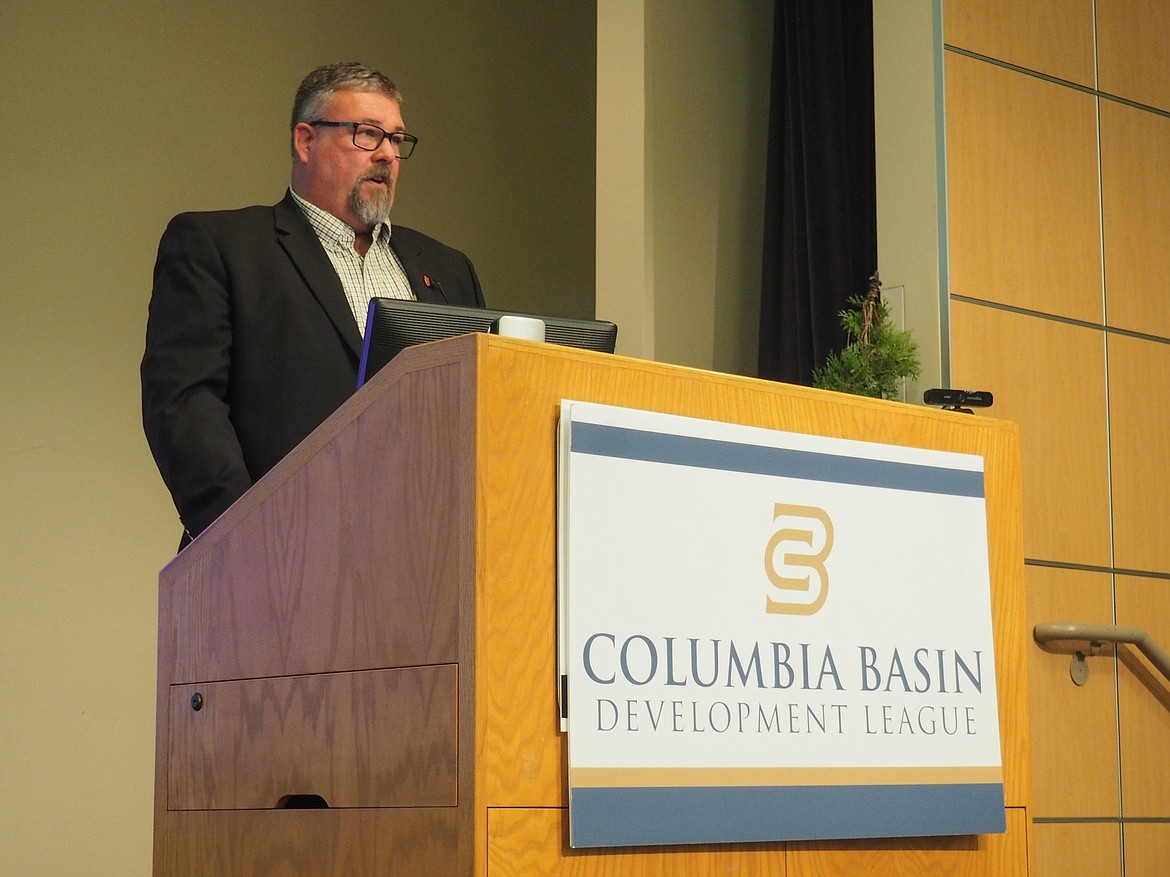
point(1023, 211)
point(1007, 29)
point(1135, 201)
point(1074, 848)
point(1133, 50)
point(1057, 126)
point(1139, 435)
point(1049, 377)
point(1144, 701)
point(1147, 849)
point(1058, 705)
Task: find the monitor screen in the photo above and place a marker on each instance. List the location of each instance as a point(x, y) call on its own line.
point(394, 324)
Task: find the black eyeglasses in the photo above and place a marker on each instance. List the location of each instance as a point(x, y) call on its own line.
point(370, 137)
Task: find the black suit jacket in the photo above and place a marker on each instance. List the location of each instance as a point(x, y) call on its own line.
point(251, 344)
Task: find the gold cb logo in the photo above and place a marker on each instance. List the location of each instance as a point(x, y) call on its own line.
point(802, 543)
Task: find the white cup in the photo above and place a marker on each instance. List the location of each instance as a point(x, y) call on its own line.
point(528, 328)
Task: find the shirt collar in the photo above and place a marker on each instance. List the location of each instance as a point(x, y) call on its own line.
point(333, 231)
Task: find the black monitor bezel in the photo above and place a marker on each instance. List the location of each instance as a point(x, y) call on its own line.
point(392, 325)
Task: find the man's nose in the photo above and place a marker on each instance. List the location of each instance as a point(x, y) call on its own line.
point(386, 151)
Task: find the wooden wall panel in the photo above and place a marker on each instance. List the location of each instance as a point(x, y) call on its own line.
point(1133, 50)
point(1139, 427)
point(1024, 230)
point(1022, 193)
point(1147, 850)
point(1135, 200)
point(1050, 36)
point(1144, 700)
point(1049, 377)
point(1064, 849)
point(1057, 595)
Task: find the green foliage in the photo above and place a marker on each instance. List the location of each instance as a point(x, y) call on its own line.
point(876, 356)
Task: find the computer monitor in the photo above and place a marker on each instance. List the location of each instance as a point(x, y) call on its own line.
point(395, 324)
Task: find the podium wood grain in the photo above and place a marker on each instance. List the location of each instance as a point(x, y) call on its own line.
point(416, 531)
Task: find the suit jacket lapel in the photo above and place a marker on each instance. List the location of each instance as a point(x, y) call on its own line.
point(423, 287)
point(304, 249)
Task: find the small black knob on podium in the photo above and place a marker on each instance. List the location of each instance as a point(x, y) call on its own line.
point(197, 701)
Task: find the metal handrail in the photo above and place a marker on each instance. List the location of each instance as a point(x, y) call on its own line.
point(1096, 634)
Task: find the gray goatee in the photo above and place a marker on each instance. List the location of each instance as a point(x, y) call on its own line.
point(373, 207)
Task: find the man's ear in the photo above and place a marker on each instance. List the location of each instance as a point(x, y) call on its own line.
point(303, 137)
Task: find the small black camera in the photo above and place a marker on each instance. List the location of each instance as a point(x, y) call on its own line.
point(958, 400)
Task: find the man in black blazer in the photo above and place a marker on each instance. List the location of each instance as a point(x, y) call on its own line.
point(254, 329)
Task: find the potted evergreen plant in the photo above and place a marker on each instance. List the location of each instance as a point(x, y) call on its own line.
point(877, 354)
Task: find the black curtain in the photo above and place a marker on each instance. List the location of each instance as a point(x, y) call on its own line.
point(820, 217)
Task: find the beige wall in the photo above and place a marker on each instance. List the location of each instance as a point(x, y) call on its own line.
point(119, 114)
point(116, 116)
point(681, 161)
point(707, 95)
point(1057, 149)
point(906, 140)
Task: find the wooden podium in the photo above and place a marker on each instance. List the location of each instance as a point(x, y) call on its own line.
point(357, 661)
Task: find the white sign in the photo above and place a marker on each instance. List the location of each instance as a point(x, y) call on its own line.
point(771, 636)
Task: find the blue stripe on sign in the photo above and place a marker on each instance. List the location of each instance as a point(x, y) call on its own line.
point(680, 450)
point(608, 817)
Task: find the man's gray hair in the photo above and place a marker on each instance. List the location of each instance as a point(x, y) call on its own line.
point(322, 83)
